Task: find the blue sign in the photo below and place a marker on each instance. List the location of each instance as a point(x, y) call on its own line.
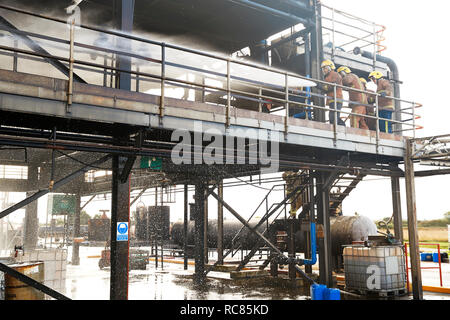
point(122, 231)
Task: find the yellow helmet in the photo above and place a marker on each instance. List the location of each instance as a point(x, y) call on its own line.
point(328, 63)
point(375, 74)
point(363, 80)
point(345, 69)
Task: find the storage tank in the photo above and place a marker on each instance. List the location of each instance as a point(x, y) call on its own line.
point(346, 229)
point(152, 221)
point(230, 229)
point(17, 290)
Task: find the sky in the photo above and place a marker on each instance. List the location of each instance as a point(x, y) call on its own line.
point(416, 41)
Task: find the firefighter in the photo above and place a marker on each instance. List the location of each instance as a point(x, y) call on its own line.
point(332, 76)
point(370, 110)
point(358, 100)
point(385, 104)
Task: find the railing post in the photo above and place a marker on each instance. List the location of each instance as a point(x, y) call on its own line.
point(71, 61)
point(374, 45)
point(286, 123)
point(333, 34)
point(335, 116)
point(414, 119)
point(259, 99)
point(377, 112)
point(163, 81)
point(227, 112)
point(15, 61)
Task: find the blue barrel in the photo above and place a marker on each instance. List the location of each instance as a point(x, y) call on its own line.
point(333, 294)
point(318, 291)
point(424, 256)
point(435, 257)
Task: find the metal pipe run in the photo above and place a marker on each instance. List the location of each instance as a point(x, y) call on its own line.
point(395, 74)
point(275, 12)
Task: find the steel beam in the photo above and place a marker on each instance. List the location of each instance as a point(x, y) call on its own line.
point(185, 226)
point(324, 243)
point(120, 212)
point(120, 193)
point(199, 234)
point(397, 208)
point(76, 231)
point(412, 223)
point(31, 225)
point(220, 224)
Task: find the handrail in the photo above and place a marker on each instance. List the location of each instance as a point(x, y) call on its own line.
point(421, 267)
point(279, 94)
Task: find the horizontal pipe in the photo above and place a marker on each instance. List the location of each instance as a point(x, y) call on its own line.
point(275, 12)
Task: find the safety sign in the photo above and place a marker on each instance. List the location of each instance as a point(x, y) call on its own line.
point(122, 231)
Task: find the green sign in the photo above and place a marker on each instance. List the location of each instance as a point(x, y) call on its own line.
point(62, 204)
point(153, 163)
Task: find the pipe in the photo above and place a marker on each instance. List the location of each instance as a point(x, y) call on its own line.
point(395, 74)
point(275, 12)
point(313, 260)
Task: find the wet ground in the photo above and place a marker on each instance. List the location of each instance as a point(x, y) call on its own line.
point(172, 282)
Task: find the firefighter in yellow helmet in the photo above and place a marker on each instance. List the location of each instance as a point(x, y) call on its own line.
point(358, 100)
point(370, 110)
point(385, 104)
point(330, 75)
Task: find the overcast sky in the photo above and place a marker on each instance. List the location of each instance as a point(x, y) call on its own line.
point(415, 39)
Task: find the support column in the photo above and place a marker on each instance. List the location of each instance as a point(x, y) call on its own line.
point(124, 16)
point(308, 253)
point(205, 222)
point(120, 212)
point(120, 202)
point(31, 225)
point(76, 231)
point(185, 226)
point(324, 243)
point(316, 59)
point(397, 208)
point(199, 234)
point(220, 225)
point(416, 275)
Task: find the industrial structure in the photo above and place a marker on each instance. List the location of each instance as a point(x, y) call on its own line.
point(99, 87)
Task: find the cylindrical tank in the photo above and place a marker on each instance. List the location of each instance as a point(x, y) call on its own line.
point(17, 290)
point(346, 229)
point(230, 229)
point(153, 221)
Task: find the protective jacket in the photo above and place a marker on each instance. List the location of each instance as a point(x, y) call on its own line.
point(355, 97)
point(384, 85)
point(333, 77)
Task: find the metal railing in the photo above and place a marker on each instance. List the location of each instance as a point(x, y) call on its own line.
point(344, 31)
point(439, 267)
point(158, 67)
